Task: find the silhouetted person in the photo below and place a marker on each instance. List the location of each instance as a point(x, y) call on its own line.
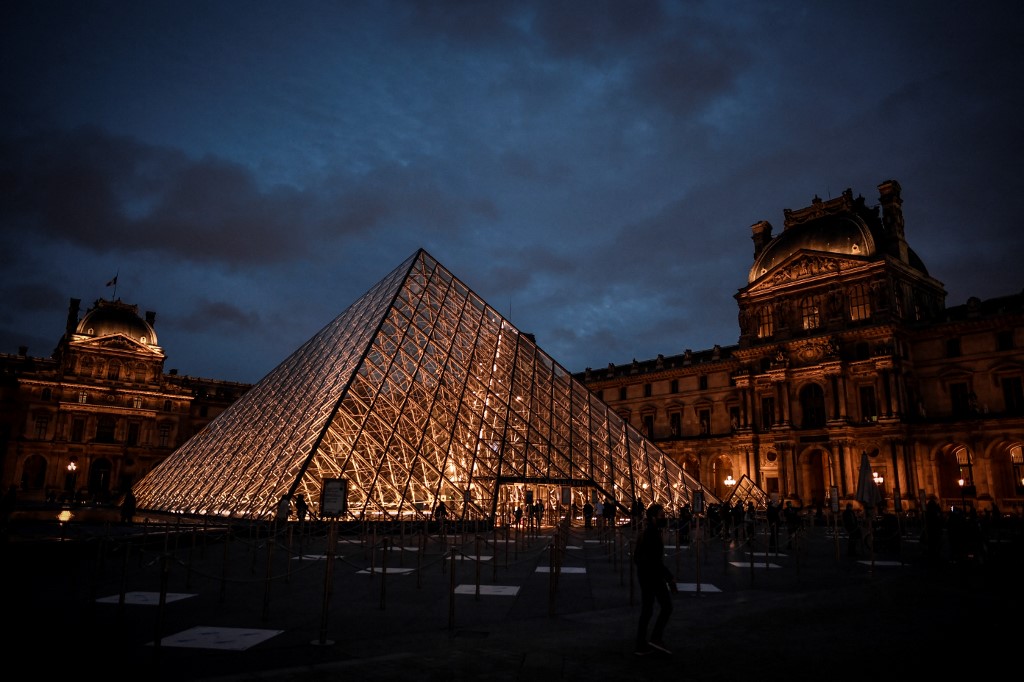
point(440, 514)
point(609, 513)
point(655, 580)
point(852, 527)
point(774, 516)
point(685, 520)
point(792, 516)
point(301, 508)
point(933, 529)
point(128, 507)
point(750, 521)
point(737, 519)
point(284, 509)
point(588, 514)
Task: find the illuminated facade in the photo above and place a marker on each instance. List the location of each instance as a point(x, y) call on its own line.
point(419, 393)
point(101, 412)
point(845, 346)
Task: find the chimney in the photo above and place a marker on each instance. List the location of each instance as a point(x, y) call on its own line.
point(892, 219)
point(762, 235)
point(72, 322)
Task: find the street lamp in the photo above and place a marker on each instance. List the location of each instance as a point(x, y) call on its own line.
point(963, 495)
point(71, 480)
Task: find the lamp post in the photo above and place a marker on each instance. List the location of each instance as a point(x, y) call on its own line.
point(71, 480)
point(963, 496)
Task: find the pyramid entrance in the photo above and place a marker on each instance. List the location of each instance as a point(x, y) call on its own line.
point(419, 392)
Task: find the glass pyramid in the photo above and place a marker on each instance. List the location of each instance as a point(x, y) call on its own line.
point(418, 393)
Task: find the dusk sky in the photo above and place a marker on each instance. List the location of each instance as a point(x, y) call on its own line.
point(591, 169)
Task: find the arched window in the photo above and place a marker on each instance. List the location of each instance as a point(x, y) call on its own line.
point(966, 468)
point(1017, 462)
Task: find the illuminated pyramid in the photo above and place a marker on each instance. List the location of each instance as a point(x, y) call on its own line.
point(418, 393)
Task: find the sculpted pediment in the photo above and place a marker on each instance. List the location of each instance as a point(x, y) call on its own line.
point(804, 265)
point(116, 342)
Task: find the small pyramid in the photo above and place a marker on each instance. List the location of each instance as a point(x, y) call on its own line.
point(418, 393)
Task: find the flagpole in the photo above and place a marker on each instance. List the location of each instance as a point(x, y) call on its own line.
point(113, 283)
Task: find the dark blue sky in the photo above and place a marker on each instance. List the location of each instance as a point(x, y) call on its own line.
point(591, 169)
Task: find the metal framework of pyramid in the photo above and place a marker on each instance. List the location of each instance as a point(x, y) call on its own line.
point(418, 393)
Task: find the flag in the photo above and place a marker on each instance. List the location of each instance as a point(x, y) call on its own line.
point(113, 282)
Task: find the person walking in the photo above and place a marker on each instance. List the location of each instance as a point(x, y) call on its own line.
point(656, 583)
point(284, 509)
point(128, 507)
point(852, 527)
point(774, 517)
point(301, 508)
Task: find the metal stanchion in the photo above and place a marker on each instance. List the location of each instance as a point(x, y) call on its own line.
point(451, 593)
point(328, 571)
point(383, 570)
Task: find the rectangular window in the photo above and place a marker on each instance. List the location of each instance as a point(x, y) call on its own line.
point(1004, 340)
point(860, 304)
point(77, 430)
point(765, 323)
point(133, 434)
point(809, 314)
point(953, 348)
point(622, 393)
point(767, 413)
point(1013, 395)
point(676, 424)
point(705, 422)
point(647, 390)
point(868, 406)
point(164, 435)
point(674, 386)
point(734, 418)
point(137, 403)
point(42, 423)
point(83, 397)
point(600, 394)
point(960, 399)
point(702, 382)
point(649, 425)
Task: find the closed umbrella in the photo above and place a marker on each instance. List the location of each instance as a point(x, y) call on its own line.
point(867, 489)
point(868, 495)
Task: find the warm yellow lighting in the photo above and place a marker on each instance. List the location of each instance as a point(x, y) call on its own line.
point(961, 482)
point(64, 516)
point(72, 466)
point(878, 479)
point(729, 481)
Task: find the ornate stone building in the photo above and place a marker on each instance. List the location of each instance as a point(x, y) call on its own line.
point(99, 413)
point(845, 347)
